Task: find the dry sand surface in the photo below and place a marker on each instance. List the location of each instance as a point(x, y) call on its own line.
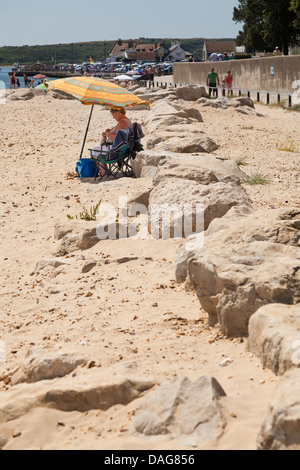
point(120, 312)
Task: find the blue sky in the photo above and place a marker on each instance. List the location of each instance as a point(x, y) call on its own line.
point(64, 21)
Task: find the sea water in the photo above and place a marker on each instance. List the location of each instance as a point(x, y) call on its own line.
point(4, 79)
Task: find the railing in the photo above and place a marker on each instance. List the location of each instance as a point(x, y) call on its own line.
point(269, 95)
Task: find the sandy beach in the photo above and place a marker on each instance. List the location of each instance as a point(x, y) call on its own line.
point(128, 310)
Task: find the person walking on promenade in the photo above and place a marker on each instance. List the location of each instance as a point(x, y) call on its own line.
point(227, 83)
point(212, 81)
point(214, 57)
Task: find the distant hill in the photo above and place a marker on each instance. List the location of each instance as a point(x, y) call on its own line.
point(82, 51)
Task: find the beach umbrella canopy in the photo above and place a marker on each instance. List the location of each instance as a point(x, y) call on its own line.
point(94, 91)
point(131, 72)
point(123, 78)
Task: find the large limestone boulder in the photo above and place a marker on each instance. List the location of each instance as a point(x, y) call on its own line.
point(224, 103)
point(199, 166)
point(154, 94)
point(163, 108)
point(45, 365)
point(53, 262)
point(21, 95)
point(185, 129)
point(189, 247)
point(177, 203)
point(281, 428)
point(191, 92)
point(249, 111)
point(243, 105)
point(275, 225)
point(252, 263)
point(164, 114)
point(188, 412)
point(196, 144)
point(87, 390)
point(162, 123)
point(78, 240)
point(274, 336)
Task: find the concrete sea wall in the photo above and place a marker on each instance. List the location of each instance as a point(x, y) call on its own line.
point(268, 73)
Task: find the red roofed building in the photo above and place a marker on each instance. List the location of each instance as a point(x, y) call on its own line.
point(132, 51)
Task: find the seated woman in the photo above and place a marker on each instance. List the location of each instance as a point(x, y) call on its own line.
point(109, 135)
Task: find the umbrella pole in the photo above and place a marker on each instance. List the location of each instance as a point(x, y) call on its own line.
point(87, 128)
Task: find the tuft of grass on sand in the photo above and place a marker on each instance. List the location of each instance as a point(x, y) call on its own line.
point(288, 146)
point(88, 215)
point(284, 105)
point(295, 107)
point(241, 161)
point(257, 178)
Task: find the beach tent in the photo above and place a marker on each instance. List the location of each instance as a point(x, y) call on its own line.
point(41, 87)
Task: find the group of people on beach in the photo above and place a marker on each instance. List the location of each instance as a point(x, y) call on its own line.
point(29, 83)
point(213, 82)
point(13, 81)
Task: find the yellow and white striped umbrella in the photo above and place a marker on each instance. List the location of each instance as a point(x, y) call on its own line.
point(95, 91)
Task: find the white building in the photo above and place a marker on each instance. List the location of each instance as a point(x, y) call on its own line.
point(176, 53)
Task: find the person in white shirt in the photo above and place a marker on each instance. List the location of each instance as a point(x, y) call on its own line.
point(214, 57)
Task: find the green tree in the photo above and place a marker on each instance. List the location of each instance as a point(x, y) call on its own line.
point(295, 7)
point(268, 23)
point(279, 28)
point(250, 13)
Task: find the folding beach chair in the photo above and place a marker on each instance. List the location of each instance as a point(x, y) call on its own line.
point(118, 156)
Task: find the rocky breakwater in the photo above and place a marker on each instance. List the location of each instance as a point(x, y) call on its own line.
point(185, 174)
point(247, 273)
point(252, 262)
point(246, 276)
point(179, 158)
